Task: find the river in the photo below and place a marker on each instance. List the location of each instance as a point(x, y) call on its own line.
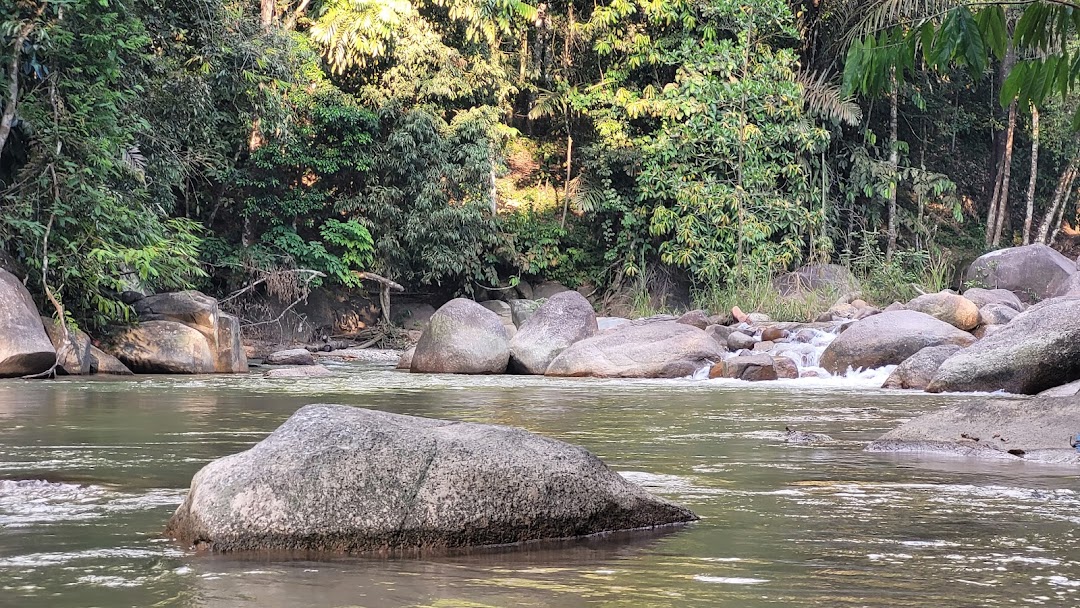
point(90, 470)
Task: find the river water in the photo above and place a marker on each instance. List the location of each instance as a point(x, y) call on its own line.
point(91, 469)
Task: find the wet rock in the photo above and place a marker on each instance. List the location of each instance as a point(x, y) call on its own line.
point(1037, 430)
point(293, 356)
point(229, 354)
point(918, 370)
point(75, 359)
point(804, 438)
point(405, 362)
point(695, 318)
point(25, 348)
point(720, 333)
point(463, 338)
point(955, 310)
point(162, 347)
point(752, 368)
point(564, 319)
point(662, 349)
point(342, 479)
point(805, 336)
point(996, 314)
point(306, 371)
point(199, 312)
point(739, 341)
point(786, 368)
point(888, 339)
point(102, 362)
point(1037, 350)
point(1033, 272)
point(763, 346)
point(757, 318)
point(773, 334)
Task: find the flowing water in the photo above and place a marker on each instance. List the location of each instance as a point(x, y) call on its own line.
point(90, 470)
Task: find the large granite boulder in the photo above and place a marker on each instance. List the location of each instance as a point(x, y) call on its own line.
point(342, 479)
point(996, 314)
point(888, 339)
point(162, 347)
point(816, 277)
point(1037, 350)
point(102, 362)
point(1032, 272)
point(25, 348)
point(660, 349)
point(521, 310)
point(565, 318)
point(74, 358)
point(1038, 430)
point(199, 312)
point(955, 310)
point(462, 337)
point(918, 370)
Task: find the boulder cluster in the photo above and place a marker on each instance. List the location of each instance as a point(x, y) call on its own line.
point(177, 333)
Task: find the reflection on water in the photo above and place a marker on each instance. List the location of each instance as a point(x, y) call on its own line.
point(91, 469)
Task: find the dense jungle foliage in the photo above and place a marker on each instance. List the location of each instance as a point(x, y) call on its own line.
point(452, 144)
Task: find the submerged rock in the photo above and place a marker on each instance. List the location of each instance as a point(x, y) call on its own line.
point(463, 337)
point(25, 348)
point(659, 349)
point(1038, 430)
point(564, 319)
point(1037, 350)
point(888, 339)
point(304, 371)
point(804, 438)
point(342, 479)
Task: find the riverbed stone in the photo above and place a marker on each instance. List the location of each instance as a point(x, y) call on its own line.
point(463, 337)
point(299, 372)
point(1037, 430)
point(752, 368)
point(739, 341)
point(564, 319)
point(696, 318)
point(983, 297)
point(786, 368)
point(1032, 272)
point(340, 479)
point(102, 362)
point(888, 339)
point(918, 370)
point(25, 348)
point(773, 334)
point(661, 349)
point(292, 356)
point(405, 362)
point(74, 359)
point(162, 347)
point(955, 310)
point(1037, 350)
point(996, 314)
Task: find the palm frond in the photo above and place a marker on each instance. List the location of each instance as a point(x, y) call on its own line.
point(825, 99)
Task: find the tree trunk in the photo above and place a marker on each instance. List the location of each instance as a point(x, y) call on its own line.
point(1034, 174)
point(266, 14)
point(1056, 203)
point(1006, 174)
point(566, 186)
point(7, 119)
point(1061, 214)
point(1000, 144)
point(894, 166)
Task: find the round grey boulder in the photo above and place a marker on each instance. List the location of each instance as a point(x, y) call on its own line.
point(888, 339)
point(983, 297)
point(996, 314)
point(918, 370)
point(25, 348)
point(1032, 272)
point(340, 479)
point(1037, 350)
point(659, 349)
point(564, 319)
point(463, 337)
point(162, 347)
